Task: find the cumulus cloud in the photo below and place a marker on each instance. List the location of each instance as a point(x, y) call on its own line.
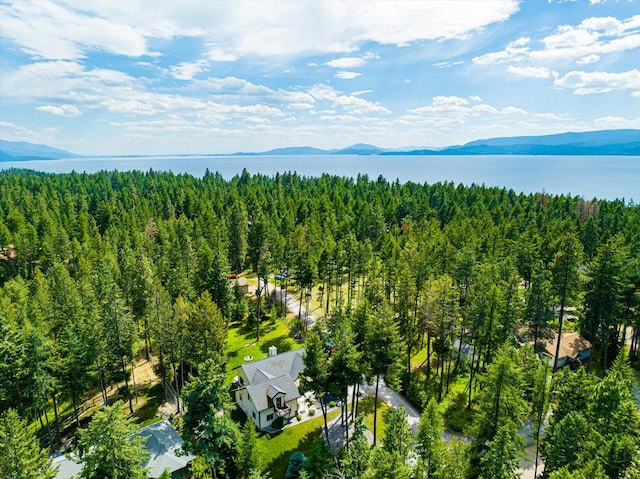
point(187, 70)
point(532, 72)
point(584, 83)
point(615, 122)
point(346, 62)
point(516, 50)
point(347, 75)
point(459, 110)
point(217, 54)
point(53, 31)
point(60, 110)
point(69, 30)
point(585, 43)
point(588, 59)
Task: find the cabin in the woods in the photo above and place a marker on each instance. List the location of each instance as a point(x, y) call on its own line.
point(164, 445)
point(242, 284)
point(268, 389)
point(574, 349)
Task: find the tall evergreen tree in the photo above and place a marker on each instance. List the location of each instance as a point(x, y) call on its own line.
point(21, 455)
point(603, 299)
point(500, 405)
point(108, 447)
point(564, 277)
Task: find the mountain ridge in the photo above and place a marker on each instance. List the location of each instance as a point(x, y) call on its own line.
point(623, 142)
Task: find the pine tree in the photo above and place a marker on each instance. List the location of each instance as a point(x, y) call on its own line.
point(429, 441)
point(500, 405)
point(21, 455)
point(109, 448)
point(248, 454)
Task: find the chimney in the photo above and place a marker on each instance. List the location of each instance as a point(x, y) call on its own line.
point(273, 351)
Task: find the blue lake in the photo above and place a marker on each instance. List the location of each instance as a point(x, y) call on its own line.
point(606, 177)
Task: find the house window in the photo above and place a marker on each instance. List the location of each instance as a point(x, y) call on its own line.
point(269, 417)
point(254, 414)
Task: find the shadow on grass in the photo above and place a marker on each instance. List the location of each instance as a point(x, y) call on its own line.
point(282, 343)
point(154, 399)
point(278, 466)
point(457, 418)
point(366, 408)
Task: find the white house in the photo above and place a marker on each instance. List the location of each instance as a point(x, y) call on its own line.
point(268, 389)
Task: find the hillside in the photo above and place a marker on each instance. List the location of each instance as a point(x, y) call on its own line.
point(23, 151)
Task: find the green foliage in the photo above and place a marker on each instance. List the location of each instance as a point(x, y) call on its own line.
point(502, 457)
point(248, 455)
point(297, 462)
point(208, 429)
point(356, 458)
point(501, 407)
point(398, 438)
point(21, 455)
point(599, 432)
point(109, 448)
point(319, 460)
point(429, 440)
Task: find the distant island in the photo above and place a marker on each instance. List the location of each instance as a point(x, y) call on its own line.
point(594, 143)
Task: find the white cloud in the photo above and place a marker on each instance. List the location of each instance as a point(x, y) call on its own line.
point(13, 132)
point(585, 83)
point(458, 110)
point(361, 92)
point(615, 122)
point(533, 72)
point(187, 70)
point(217, 54)
point(586, 42)
point(347, 75)
point(346, 62)
point(300, 106)
point(516, 50)
point(588, 59)
point(70, 30)
point(447, 64)
point(52, 31)
point(60, 110)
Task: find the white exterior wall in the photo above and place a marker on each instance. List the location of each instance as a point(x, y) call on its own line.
point(293, 404)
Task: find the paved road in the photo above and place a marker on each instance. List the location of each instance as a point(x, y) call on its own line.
point(394, 399)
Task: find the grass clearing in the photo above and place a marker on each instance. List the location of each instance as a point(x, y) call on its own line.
point(366, 407)
point(241, 343)
point(276, 448)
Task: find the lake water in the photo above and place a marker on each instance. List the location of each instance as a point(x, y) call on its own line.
point(605, 177)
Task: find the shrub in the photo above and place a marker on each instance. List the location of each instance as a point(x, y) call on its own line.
point(312, 411)
point(332, 404)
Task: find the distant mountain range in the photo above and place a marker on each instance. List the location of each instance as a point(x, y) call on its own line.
point(23, 151)
point(603, 142)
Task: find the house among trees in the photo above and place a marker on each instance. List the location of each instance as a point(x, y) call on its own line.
point(574, 349)
point(163, 444)
point(268, 389)
point(243, 284)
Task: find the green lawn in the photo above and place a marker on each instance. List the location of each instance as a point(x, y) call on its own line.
point(241, 342)
point(366, 407)
point(277, 448)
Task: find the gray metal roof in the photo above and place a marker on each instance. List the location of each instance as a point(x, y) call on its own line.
point(165, 448)
point(162, 442)
point(259, 392)
point(273, 375)
point(288, 363)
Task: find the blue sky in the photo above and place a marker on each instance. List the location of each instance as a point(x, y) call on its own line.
point(146, 77)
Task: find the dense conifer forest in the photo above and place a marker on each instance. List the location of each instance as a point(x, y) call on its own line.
point(98, 271)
